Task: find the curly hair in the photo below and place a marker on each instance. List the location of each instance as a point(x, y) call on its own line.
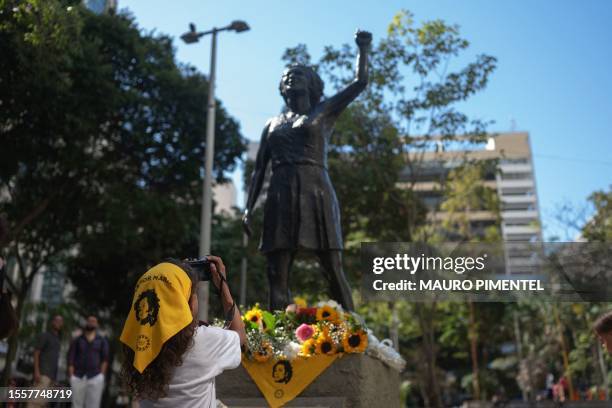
point(153, 382)
point(315, 83)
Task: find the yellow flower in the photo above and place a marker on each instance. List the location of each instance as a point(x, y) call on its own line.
point(355, 342)
point(327, 313)
point(300, 301)
point(325, 345)
point(254, 316)
point(264, 354)
point(307, 347)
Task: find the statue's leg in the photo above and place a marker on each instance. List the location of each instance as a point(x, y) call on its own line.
point(331, 261)
point(279, 267)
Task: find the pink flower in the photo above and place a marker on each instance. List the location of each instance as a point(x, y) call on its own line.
point(292, 308)
point(304, 332)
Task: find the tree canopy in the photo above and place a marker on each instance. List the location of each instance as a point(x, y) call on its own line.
point(102, 135)
point(599, 227)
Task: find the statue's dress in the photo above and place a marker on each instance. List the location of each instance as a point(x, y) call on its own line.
point(301, 209)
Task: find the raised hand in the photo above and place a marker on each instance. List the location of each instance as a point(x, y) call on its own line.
point(363, 39)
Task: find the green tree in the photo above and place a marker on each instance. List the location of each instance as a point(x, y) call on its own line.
point(599, 227)
point(39, 174)
point(103, 135)
point(463, 193)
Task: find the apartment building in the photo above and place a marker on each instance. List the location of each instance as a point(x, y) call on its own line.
point(513, 179)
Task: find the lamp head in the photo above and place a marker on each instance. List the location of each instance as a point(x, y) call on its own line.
point(190, 36)
point(239, 26)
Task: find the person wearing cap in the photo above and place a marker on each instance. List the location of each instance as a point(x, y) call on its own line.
point(171, 360)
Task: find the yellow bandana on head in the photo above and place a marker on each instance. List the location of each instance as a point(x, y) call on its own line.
point(160, 309)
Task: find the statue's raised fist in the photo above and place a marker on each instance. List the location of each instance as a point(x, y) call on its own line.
point(363, 38)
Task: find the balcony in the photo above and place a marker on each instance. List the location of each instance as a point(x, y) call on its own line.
point(526, 183)
point(436, 186)
point(515, 168)
point(528, 215)
point(472, 216)
point(520, 230)
point(518, 199)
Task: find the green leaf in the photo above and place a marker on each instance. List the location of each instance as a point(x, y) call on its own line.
point(269, 320)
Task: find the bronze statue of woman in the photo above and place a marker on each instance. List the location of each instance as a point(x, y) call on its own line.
point(301, 211)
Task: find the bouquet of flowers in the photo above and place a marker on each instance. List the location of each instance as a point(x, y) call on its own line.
point(303, 331)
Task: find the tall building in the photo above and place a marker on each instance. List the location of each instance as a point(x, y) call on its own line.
point(50, 286)
point(225, 196)
point(100, 6)
point(514, 182)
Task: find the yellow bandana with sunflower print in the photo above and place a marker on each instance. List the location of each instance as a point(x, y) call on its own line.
point(160, 309)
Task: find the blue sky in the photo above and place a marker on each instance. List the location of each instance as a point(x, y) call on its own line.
point(554, 76)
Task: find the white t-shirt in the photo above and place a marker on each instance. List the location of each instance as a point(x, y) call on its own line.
point(193, 383)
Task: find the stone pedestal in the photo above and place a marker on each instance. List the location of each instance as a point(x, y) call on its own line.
point(353, 381)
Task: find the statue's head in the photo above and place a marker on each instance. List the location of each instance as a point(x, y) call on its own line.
point(301, 79)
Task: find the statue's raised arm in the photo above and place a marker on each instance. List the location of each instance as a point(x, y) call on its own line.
point(337, 103)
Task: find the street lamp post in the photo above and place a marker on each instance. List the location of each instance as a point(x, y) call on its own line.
point(191, 37)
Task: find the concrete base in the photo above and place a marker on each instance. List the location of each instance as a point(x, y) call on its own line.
point(353, 381)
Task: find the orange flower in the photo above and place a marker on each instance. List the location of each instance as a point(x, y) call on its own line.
point(325, 345)
point(254, 316)
point(355, 342)
point(264, 354)
point(327, 313)
point(308, 347)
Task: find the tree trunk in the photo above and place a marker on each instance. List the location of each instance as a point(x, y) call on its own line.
point(519, 351)
point(432, 388)
point(12, 343)
point(603, 370)
point(473, 336)
point(565, 353)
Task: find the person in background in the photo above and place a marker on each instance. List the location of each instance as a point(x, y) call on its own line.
point(46, 356)
point(87, 365)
